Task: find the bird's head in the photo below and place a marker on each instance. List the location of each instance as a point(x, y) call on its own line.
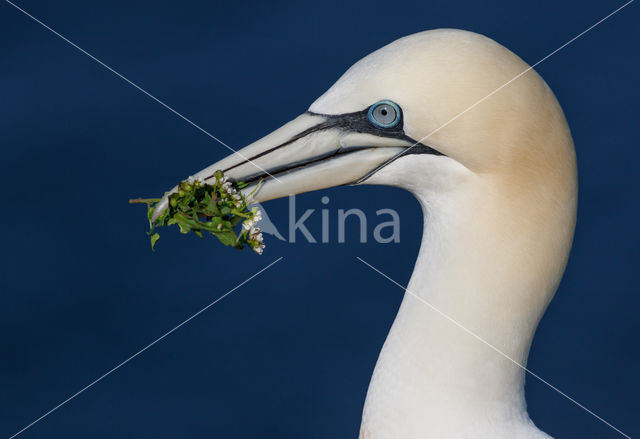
point(424, 110)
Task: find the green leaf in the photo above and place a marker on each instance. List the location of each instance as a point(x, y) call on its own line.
point(154, 239)
point(199, 207)
point(227, 238)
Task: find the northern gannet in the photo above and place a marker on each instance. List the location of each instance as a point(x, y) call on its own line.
point(498, 185)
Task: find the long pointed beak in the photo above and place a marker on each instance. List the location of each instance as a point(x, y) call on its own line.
point(309, 153)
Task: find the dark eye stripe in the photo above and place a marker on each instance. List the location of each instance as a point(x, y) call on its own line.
point(358, 122)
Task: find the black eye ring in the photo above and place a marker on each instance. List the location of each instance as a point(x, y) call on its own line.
point(384, 114)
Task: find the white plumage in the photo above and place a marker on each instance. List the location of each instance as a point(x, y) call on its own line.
point(499, 205)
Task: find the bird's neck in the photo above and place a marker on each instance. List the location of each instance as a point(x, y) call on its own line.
point(451, 365)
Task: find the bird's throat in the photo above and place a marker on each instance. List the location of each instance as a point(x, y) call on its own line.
point(452, 365)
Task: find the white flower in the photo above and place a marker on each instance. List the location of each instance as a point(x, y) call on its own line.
point(255, 234)
point(248, 224)
point(196, 181)
point(255, 238)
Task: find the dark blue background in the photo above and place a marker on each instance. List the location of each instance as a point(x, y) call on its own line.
point(290, 354)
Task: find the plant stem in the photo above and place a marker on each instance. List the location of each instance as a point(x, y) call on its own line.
point(144, 200)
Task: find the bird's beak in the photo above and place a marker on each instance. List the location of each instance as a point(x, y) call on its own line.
point(309, 153)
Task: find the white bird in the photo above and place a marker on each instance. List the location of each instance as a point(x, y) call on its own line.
point(497, 181)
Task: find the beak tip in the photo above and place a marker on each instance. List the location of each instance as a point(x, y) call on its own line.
point(160, 208)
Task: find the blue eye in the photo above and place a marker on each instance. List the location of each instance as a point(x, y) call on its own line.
point(384, 114)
